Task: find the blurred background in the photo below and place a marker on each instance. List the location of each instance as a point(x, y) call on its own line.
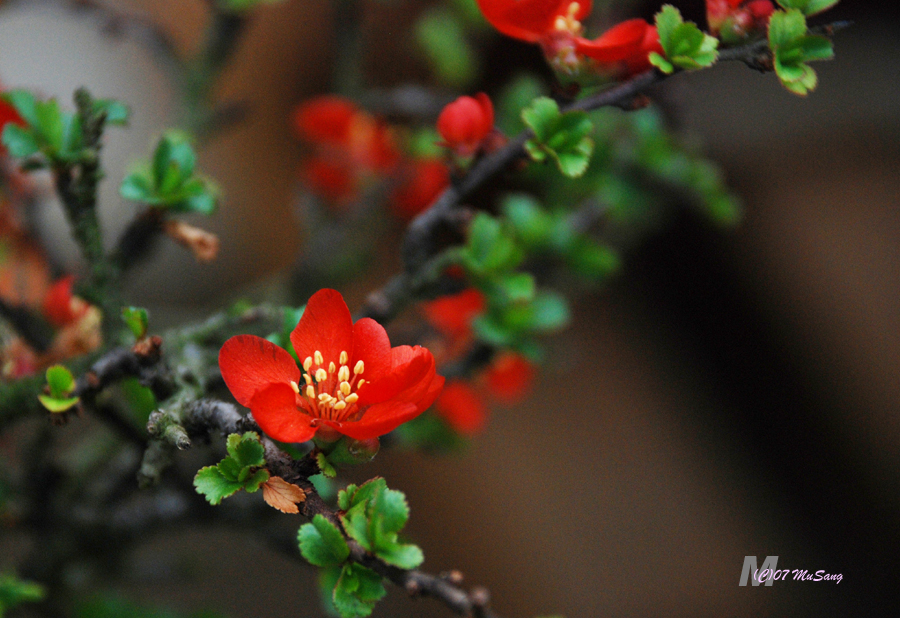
point(732, 393)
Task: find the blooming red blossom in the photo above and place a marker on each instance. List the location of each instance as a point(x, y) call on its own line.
point(466, 123)
point(556, 26)
point(353, 382)
point(462, 407)
point(423, 180)
point(735, 20)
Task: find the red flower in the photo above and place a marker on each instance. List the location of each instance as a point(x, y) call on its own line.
point(556, 26)
point(349, 147)
point(509, 378)
point(353, 382)
point(60, 307)
point(453, 315)
point(735, 20)
point(462, 407)
point(8, 114)
point(426, 179)
point(465, 123)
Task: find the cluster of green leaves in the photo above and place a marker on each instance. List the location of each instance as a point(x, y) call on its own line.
point(170, 181)
point(516, 310)
point(15, 591)
point(52, 132)
point(60, 383)
point(241, 469)
point(556, 233)
point(792, 47)
point(563, 137)
point(373, 516)
point(685, 45)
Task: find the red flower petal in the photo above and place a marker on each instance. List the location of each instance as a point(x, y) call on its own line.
point(57, 306)
point(371, 346)
point(250, 364)
point(616, 44)
point(528, 20)
point(326, 326)
point(510, 377)
point(378, 420)
point(275, 410)
point(453, 315)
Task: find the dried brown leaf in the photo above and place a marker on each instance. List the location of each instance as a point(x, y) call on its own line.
point(284, 496)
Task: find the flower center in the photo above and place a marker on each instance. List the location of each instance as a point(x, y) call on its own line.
point(330, 391)
point(568, 23)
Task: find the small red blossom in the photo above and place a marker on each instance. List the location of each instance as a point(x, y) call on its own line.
point(421, 182)
point(349, 147)
point(60, 307)
point(509, 378)
point(556, 26)
point(452, 315)
point(462, 407)
point(353, 382)
point(735, 20)
point(466, 123)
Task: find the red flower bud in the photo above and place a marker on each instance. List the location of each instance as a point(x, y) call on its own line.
point(462, 407)
point(465, 123)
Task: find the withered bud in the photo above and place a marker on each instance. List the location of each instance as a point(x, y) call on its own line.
point(204, 245)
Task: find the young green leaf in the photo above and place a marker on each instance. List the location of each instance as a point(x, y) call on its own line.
point(246, 449)
point(357, 590)
point(325, 466)
point(563, 137)
point(136, 320)
point(808, 7)
point(321, 543)
point(214, 486)
point(793, 48)
point(684, 44)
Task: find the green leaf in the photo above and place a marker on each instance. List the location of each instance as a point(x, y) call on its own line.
point(321, 543)
point(661, 63)
point(15, 591)
point(442, 37)
point(210, 483)
point(684, 44)
point(574, 161)
point(357, 590)
point(785, 27)
point(527, 218)
point(490, 248)
point(808, 7)
point(255, 480)
point(325, 466)
point(57, 404)
point(116, 112)
point(137, 186)
point(541, 117)
point(593, 260)
point(25, 104)
point(550, 311)
point(516, 287)
point(246, 449)
point(136, 320)
point(793, 48)
point(20, 142)
point(391, 505)
point(401, 555)
point(60, 380)
point(50, 123)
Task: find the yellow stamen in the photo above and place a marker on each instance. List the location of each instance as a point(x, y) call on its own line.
point(340, 405)
point(311, 392)
point(359, 367)
point(344, 358)
point(351, 398)
point(295, 387)
point(345, 388)
point(318, 357)
point(307, 363)
point(331, 367)
point(321, 375)
point(344, 373)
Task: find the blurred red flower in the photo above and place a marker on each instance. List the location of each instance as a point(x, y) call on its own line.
point(509, 377)
point(466, 123)
point(353, 382)
point(736, 20)
point(462, 407)
point(452, 315)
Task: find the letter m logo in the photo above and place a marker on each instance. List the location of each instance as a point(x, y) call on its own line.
point(751, 571)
